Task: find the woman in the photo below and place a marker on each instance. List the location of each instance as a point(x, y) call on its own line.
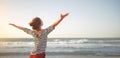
point(39, 35)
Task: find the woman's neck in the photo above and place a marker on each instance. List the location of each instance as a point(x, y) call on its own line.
point(38, 31)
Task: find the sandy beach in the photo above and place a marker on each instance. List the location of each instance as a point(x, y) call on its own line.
point(24, 55)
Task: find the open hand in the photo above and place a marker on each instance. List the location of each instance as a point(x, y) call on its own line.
point(11, 24)
point(64, 15)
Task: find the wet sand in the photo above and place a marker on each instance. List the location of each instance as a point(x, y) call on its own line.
point(24, 55)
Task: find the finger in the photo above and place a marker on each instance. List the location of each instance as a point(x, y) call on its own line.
point(66, 14)
point(9, 23)
point(61, 15)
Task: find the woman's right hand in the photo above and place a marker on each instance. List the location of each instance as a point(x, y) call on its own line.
point(64, 15)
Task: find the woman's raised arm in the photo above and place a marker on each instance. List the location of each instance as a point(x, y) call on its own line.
point(59, 20)
point(19, 27)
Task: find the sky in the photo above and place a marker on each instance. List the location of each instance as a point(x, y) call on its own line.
point(87, 18)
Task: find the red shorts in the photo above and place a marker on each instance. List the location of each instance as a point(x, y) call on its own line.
point(41, 55)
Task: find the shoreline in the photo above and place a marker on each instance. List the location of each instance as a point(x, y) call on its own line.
point(58, 54)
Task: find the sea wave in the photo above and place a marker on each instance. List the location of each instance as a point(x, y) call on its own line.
point(80, 43)
point(79, 46)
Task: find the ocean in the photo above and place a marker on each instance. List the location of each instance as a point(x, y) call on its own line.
point(64, 46)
